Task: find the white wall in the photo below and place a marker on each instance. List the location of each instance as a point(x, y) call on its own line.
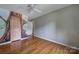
point(46, 26)
point(60, 26)
point(67, 26)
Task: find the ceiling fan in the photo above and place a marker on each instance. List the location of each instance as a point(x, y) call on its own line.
point(32, 7)
point(29, 9)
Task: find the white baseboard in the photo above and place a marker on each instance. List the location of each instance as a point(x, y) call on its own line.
point(5, 43)
point(14, 40)
point(27, 37)
point(57, 42)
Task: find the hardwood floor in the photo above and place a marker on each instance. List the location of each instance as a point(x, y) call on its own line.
point(36, 46)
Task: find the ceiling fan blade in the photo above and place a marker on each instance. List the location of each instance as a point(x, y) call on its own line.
point(37, 10)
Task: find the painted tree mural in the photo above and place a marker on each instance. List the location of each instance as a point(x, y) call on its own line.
point(4, 30)
point(5, 25)
point(27, 27)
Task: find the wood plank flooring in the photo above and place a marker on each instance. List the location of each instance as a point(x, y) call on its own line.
point(36, 46)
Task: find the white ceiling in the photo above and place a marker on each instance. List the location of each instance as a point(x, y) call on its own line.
point(45, 8)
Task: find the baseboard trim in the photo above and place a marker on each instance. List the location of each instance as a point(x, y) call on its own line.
point(14, 40)
point(57, 42)
point(26, 38)
point(5, 43)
